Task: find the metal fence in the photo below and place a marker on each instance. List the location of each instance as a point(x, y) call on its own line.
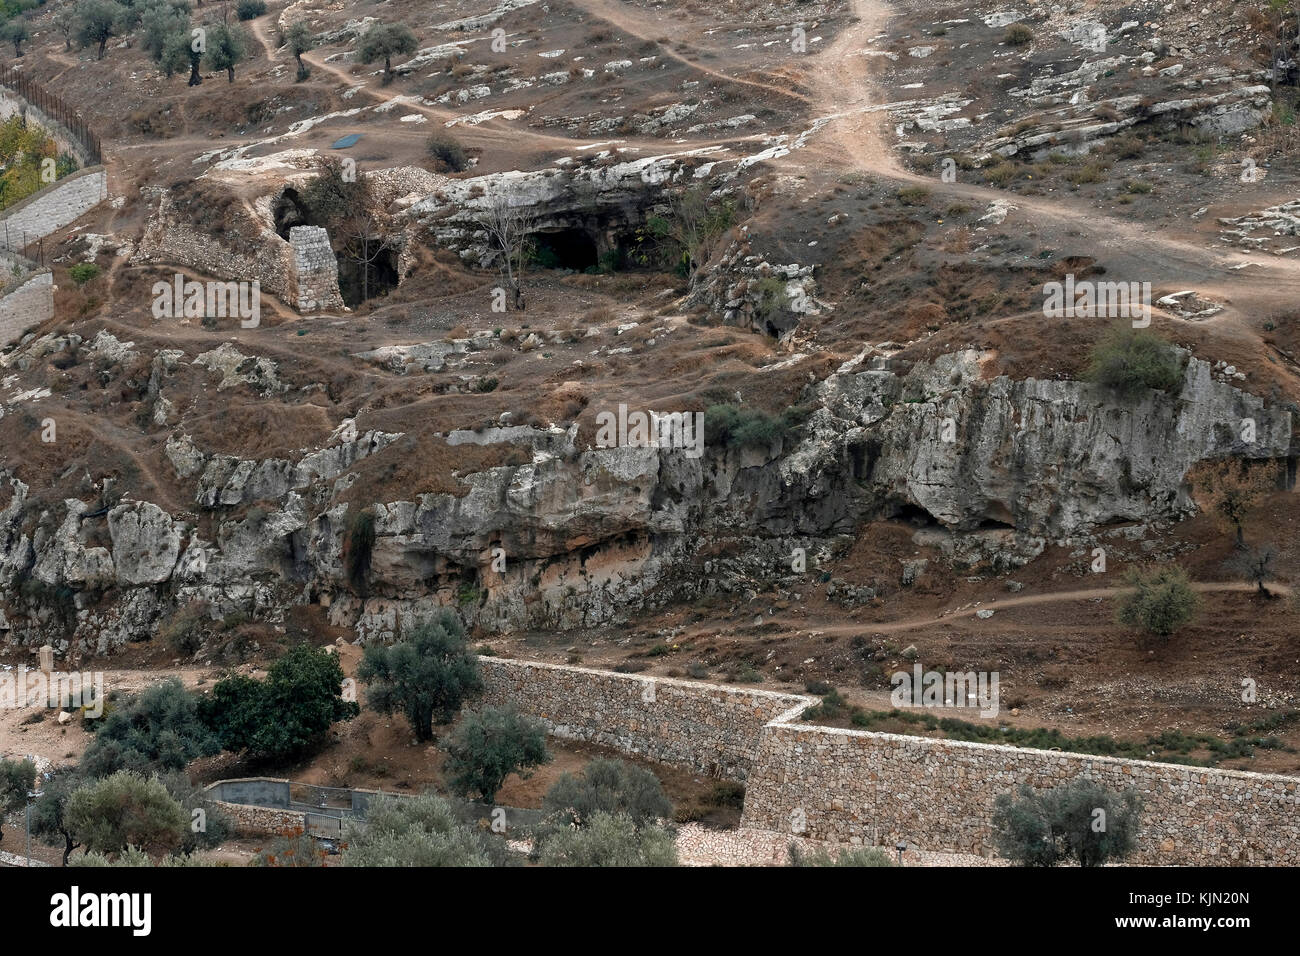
point(56, 109)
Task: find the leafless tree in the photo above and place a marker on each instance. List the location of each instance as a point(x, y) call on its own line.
point(364, 243)
point(510, 230)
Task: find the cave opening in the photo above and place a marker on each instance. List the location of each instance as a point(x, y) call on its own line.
point(914, 515)
point(288, 212)
point(565, 249)
point(367, 270)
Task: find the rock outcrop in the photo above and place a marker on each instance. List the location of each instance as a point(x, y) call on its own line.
point(586, 536)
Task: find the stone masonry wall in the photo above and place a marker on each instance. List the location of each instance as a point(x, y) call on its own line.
point(249, 819)
point(169, 239)
point(11, 104)
point(316, 270)
point(707, 727)
point(29, 303)
point(846, 786)
point(49, 210)
point(855, 787)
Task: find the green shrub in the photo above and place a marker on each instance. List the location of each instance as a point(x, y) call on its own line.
point(606, 786)
point(736, 426)
point(126, 809)
point(284, 716)
point(1018, 35)
point(159, 729)
point(420, 831)
point(250, 9)
point(489, 745)
point(866, 856)
point(1080, 820)
point(1130, 361)
point(447, 153)
point(610, 840)
point(83, 272)
point(1162, 601)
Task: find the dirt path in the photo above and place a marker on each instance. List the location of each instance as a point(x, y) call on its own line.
point(630, 20)
point(849, 102)
point(996, 604)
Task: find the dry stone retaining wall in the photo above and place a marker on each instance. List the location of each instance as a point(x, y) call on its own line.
point(708, 727)
point(856, 787)
point(49, 210)
point(846, 786)
point(29, 302)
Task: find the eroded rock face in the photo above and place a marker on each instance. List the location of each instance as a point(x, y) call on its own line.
point(588, 536)
point(146, 543)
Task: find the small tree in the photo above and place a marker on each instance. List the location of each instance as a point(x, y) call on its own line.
point(509, 232)
point(607, 786)
point(227, 47)
point(15, 32)
point(333, 197)
point(383, 41)
point(49, 821)
point(298, 39)
point(489, 745)
point(1131, 361)
point(610, 840)
point(420, 831)
point(427, 676)
point(1080, 820)
point(250, 9)
point(1229, 489)
point(285, 715)
point(690, 230)
point(125, 809)
point(17, 777)
point(1161, 601)
point(1255, 565)
point(98, 21)
point(65, 24)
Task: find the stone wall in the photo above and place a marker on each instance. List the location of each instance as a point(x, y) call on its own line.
point(707, 727)
point(170, 239)
point(49, 210)
point(11, 104)
point(250, 819)
point(26, 302)
point(855, 787)
point(846, 786)
point(316, 270)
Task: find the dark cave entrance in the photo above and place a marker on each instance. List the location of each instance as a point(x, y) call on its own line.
point(288, 212)
point(565, 249)
point(367, 270)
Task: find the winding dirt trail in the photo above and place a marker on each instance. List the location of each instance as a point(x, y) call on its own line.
point(850, 104)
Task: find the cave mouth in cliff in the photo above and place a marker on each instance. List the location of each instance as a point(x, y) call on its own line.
point(367, 270)
point(288, 212)
point(565, 249)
